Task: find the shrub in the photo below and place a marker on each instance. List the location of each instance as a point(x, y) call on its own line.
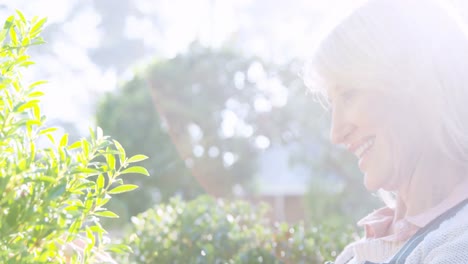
point(53, 196)
point(206, 230)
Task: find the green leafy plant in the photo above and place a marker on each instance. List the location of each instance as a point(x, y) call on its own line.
point(206, 230)
point(52, 195)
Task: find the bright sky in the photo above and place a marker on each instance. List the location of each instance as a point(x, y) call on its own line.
point(277, 30)
point(274, 29)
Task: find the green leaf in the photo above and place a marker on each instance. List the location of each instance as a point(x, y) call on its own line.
point(110, 161)
point(75, 145)
point(120, 248)
point(36, 94)
point(16, 84)
point(103, 201)
point(104, 143)
point(85, 145)
point(33, 123)
point(9, 22)
point(38, 41)
point(57, 191)
point(37, 113)
point(64, 140)
point(23, 19)
point(123, 188)
point(13, 36)
point(25, 41)
point(72, 208)
point(51, 138)
point(32, 151)
point(47, 179)
point(47, 130)
point(108, 214)
point(27, 63)
point(30, 104)
point(90, 236)
point(122, 155)
point(137, 158)
point(98, 229)
point(34, 84)
point(100, 182)
point(74, 229)
point(136, 169)
point(36, 29)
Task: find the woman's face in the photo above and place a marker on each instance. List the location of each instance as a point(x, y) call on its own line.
point(374, 126)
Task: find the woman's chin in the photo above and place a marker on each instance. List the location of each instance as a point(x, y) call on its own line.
point(371, 183)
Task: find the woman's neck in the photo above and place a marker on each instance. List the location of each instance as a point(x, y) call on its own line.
point(432, 181)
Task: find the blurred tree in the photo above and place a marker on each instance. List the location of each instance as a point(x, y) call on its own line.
point(193, 116)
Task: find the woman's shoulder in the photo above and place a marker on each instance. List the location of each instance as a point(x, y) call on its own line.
point(447, 244)
point(456, 224)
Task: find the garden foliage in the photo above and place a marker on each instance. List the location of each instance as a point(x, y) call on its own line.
point(52, 193)
point(206, 230)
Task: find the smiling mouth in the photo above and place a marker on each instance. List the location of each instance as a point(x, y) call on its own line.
point(362, 149)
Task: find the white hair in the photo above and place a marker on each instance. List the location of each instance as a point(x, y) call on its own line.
point(417, 48)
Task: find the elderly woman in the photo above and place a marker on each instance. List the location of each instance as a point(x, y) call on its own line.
point(395, 76)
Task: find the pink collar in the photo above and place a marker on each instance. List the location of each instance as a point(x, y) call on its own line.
point(379, 224)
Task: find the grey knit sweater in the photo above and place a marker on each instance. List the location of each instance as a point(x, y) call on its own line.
point(446, 245)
